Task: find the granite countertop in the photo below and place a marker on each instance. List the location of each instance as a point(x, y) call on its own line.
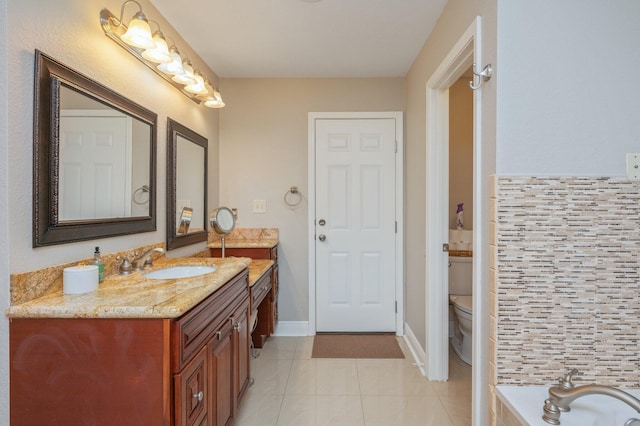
point(257, 269)
point(246, 238)
point(134, 296)
point(245, 243)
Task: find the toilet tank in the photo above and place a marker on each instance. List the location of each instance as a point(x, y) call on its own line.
point(460, 275)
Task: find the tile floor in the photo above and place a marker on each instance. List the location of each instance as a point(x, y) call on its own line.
point(291, 388)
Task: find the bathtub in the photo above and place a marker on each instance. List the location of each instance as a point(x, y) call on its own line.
point(526, 403)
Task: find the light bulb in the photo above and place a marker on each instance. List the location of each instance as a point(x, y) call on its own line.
point(198, 87)
point(188, 77)
point(160, 53)
point(175, 66)
point(214, 101)
point(209, 89)
point(138, 32)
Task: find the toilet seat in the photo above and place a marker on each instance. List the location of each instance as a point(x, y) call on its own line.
point(464, 303)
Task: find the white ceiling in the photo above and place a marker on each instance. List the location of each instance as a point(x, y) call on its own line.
point(304, 38)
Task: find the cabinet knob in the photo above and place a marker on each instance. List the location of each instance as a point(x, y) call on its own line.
point(199, 396)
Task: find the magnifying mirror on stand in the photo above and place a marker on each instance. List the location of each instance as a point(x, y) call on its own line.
point(222, 221)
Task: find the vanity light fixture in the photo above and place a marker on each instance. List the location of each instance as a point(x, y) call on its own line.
point(154, 52)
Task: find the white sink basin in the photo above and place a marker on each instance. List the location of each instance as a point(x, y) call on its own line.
point(179, 272)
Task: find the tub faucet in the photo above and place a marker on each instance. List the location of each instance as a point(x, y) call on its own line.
point(565, 393)
point(145, 259)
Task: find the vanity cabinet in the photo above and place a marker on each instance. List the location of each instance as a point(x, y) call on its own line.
point(191, 370)
point(268, 306)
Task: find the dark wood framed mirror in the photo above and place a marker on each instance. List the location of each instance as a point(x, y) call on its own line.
point(187, 154)
point(94, 159)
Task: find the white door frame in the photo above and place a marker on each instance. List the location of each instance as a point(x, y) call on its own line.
point(399, 243)
point(465, 52)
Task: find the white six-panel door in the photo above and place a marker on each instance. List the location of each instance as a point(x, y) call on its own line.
point(95, 170)
point(355, 225)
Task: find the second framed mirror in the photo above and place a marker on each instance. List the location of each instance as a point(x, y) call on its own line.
point(186, 186)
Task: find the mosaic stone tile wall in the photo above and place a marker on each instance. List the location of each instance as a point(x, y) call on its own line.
point(567, 280)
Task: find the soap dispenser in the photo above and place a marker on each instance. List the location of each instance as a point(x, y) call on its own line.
point(97, 260)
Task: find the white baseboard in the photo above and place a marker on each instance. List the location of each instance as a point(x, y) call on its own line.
point(292, 328)
point(419, 355)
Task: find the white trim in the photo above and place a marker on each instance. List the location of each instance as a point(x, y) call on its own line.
point(292, 328)
point(399, 243)
point(418, 354)
point(465, 52)
point(437, 232)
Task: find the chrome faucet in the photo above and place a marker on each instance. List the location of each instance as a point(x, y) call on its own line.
point(145, 259)
point(565, 393)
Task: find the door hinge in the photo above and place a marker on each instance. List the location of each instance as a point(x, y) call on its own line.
point(396, 226)
point(396, 148)
point(396, 306)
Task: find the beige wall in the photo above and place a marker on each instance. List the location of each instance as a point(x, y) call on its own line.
point(461, 151)
point(263, 152)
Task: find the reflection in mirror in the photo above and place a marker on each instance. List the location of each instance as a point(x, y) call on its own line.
point(94, 160)
point(103, 165)
point(189, 183)
point(185, 220)
point(186, 186)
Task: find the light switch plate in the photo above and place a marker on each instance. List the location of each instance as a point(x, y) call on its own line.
point(259, 206)
point(633, 166)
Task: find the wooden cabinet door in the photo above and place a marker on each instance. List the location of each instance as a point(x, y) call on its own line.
point(242, 348)
point(70, 371)
point(221, 377)
point(191, 393)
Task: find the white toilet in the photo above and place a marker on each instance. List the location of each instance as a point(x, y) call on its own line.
point(460, 291)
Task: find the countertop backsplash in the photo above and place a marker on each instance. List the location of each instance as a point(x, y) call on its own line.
point(26, 286)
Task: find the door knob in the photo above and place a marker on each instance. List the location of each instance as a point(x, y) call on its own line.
point(322, 222)
point(322, 237)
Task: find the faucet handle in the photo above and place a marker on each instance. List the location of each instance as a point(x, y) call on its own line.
point(148, 262)
point(566, 381)
point(125, 266)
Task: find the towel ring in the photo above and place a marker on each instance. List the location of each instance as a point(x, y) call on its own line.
point(143, 189)
point(292, 197)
